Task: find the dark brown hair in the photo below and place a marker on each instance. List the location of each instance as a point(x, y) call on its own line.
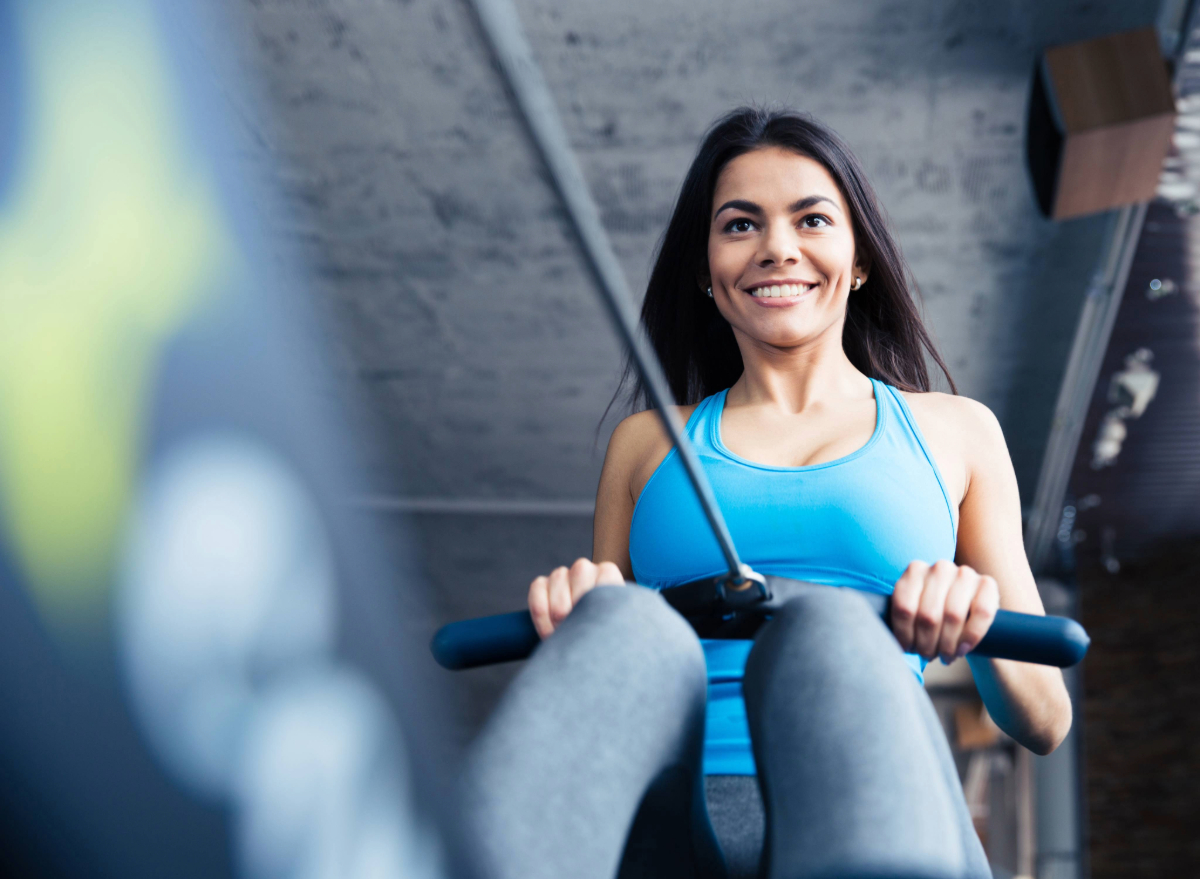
point(884, 336)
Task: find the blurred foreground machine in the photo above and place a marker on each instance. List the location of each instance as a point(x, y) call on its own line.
point(204, 668)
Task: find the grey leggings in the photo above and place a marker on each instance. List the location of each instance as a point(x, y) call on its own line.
point(605, 725)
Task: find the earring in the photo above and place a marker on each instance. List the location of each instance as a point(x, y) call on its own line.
point(708, 292)
point(858, 282)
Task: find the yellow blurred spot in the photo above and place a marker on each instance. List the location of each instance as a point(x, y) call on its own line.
point(108, 241)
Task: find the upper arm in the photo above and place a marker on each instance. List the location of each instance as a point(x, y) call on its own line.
point(614, 505)
point(614, 496)
point(989, 527)
point(636, 448)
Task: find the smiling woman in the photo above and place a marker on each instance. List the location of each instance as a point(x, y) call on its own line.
point(781, 311)
point(883, 336)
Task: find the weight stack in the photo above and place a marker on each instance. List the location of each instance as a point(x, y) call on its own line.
point(1101, 115)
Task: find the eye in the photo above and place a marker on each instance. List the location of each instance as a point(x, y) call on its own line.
point(741, 224)
point(815, 221)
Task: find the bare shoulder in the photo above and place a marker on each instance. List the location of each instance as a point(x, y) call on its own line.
point(965, 418)
point(641, 432)
point(638, 445)
point(962, 423)
point(963, 434)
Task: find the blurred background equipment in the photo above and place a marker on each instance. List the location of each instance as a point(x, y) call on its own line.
point(1101, 117)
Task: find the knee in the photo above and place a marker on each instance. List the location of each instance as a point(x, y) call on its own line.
point(828, 609)
point(639, 622)
point(825, 629)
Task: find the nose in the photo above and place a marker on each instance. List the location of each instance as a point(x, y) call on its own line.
point(780, 246)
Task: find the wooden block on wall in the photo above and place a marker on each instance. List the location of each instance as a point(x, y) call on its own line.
point(1101, 118)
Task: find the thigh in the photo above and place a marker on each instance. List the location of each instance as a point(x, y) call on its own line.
point(853, 784)
point(975, 860)
point(604, 709)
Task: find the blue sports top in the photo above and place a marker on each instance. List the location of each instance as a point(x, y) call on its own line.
point(857, 521)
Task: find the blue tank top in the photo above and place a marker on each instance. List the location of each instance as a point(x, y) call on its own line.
point(857, 521)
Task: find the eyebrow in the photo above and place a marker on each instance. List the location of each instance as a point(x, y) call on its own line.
point(750, 207)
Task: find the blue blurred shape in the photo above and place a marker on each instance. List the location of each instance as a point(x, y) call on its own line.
point(11, 89)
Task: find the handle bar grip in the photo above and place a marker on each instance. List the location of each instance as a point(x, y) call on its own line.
point(1046, 640)
point(485, 641)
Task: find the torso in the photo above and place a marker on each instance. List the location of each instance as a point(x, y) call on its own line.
point(817, 440)
point(867, 512)
point(856, 516)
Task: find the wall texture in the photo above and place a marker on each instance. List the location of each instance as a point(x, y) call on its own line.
point(458, 305)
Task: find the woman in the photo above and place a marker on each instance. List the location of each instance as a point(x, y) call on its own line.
point(779, 307)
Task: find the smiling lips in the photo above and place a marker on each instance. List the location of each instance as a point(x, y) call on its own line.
point(781, 291)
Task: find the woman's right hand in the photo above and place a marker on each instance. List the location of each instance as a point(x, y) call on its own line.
point(552, 598)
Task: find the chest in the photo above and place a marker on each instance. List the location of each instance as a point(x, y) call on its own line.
point(855, 523)
point(779, 439)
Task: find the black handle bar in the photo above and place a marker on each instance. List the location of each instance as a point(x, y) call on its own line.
point(717, 612)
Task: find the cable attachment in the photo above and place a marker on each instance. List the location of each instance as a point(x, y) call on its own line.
point(746, 589)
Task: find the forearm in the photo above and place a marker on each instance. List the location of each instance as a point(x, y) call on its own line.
point(1029, 702)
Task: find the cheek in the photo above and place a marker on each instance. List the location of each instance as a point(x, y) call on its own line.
point(727, 260)
point(834, 259)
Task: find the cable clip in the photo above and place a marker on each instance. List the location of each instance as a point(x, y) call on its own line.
point(745, 590)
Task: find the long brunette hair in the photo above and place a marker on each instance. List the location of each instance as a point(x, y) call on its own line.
point(883, 337)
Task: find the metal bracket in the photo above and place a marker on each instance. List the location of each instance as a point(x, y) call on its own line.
point(746, 590)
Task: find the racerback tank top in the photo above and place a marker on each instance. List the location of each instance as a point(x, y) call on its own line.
point(857, 521)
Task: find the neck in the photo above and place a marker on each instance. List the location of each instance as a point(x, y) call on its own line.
point(814, 372)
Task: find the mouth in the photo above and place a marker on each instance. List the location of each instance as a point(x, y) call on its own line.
point(781, 289)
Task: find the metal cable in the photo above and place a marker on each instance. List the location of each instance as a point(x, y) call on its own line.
point(501, 25)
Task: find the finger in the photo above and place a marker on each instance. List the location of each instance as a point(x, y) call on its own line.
point(981, 616)
point(955, 610)
point(582, 577)
point(906, 597)
point(539, 606)
point(608, 574)
point(560, 596)
point(928, 624)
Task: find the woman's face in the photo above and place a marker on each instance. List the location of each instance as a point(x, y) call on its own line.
point(781, 253)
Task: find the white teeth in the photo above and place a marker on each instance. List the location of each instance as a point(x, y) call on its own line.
point(777, 291)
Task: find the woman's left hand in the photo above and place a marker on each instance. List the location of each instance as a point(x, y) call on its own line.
point(943, 610)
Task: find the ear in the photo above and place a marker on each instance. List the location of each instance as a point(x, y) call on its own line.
point(703, 279)
point(862, 269)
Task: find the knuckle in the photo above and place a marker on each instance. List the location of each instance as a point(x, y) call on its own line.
point(943, 566)
point(986, 600)
point(926, 621)
point(610, 572)
point(953, 617)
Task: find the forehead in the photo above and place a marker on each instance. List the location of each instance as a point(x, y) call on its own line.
point(772, 176)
